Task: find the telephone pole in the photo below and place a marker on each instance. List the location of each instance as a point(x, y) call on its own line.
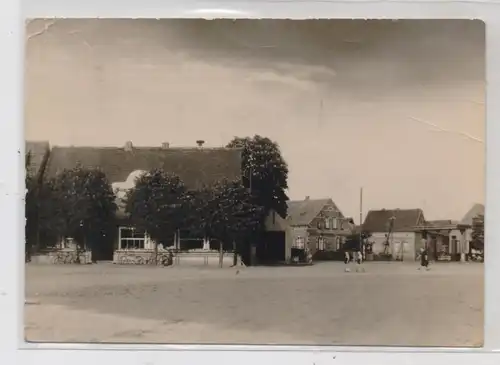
point(361, 220)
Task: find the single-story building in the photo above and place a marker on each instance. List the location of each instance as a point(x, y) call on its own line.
point(275, 245)
point(196, 166)
point(449, 240)
point(394, 233)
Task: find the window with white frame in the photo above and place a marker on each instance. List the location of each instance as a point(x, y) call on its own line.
point(338, 243)
point(327, 223)
point(334, 223)
point(341, 224)
point(299, 242)
point(321, 244)
point(131, 238)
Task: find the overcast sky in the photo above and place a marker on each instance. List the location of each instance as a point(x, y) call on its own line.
point(394, 107)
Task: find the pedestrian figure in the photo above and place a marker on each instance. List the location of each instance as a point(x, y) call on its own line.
point(346, 257)
point(424, 259)
point(359, 261)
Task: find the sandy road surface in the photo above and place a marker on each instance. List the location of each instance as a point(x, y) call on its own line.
point(390, 304)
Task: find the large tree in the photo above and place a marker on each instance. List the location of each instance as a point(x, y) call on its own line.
point(156, 204)
point(477, 242)
point(265, 171)
point(197, 209)
point(236, 217)
point(31, 209)
point(80, 203)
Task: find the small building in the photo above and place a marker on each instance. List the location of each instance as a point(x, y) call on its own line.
point(394, 233)
point(468, 220)
point(275, 245)
point(319, 225)
point(196, 166)
point(449, 240)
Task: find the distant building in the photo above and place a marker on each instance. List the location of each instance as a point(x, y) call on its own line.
point(400, 239)
point(449, 240)
point(468, 219)
point(319, 225)
point(196, 166)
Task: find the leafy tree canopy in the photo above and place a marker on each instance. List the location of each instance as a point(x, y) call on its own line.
point(226, 211)
point(236, 215)
point(477, 242)
point(31, 209)
point(157, 204)
point(79, 203)
point(197, 207)
point(264, 171)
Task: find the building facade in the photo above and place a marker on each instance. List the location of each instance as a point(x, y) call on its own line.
point(319, 226)
point(448, 240)
point(196, 166)
point(394, 233)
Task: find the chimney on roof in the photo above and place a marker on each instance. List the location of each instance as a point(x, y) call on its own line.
point(128, 146)
point(165, 146)
point(307, 197)
point(200, 143)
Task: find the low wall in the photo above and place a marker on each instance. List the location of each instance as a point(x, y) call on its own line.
point(147, 257)
point(61, 256)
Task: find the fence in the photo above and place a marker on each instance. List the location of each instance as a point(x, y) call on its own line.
point(61, 256)
point(168, 257)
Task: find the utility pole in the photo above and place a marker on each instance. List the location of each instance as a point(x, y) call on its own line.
point(361, 220)
point(252, 250)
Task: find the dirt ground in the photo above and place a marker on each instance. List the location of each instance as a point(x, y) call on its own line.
point(389, 304)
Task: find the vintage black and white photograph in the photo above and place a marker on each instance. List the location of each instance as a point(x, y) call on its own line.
point(314, 182)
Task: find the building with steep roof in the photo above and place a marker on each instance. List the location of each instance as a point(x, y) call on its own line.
point(197, 166)
point(319, 225)
point(449, 240)
point(476, 210)
point(394, 233)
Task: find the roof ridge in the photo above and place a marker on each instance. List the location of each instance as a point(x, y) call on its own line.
point(394, 209)
point(194, 148)
point(309, 200)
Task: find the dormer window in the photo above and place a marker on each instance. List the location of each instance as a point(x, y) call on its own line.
point(334, 223)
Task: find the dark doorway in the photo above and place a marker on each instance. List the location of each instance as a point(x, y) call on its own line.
point(271, 248)
point(102, 246)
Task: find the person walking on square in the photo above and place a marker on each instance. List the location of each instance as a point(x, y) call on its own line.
point(359, 261)
point(347, 259)
point(424, 259)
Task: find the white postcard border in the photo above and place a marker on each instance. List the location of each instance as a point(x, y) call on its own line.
point(12, 346)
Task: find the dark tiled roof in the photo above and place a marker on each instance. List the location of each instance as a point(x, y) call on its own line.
point(441, 222)
point(378, 220)
point(195, 166)
point(302, 212)
point(38, 153)
point(477, 209)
